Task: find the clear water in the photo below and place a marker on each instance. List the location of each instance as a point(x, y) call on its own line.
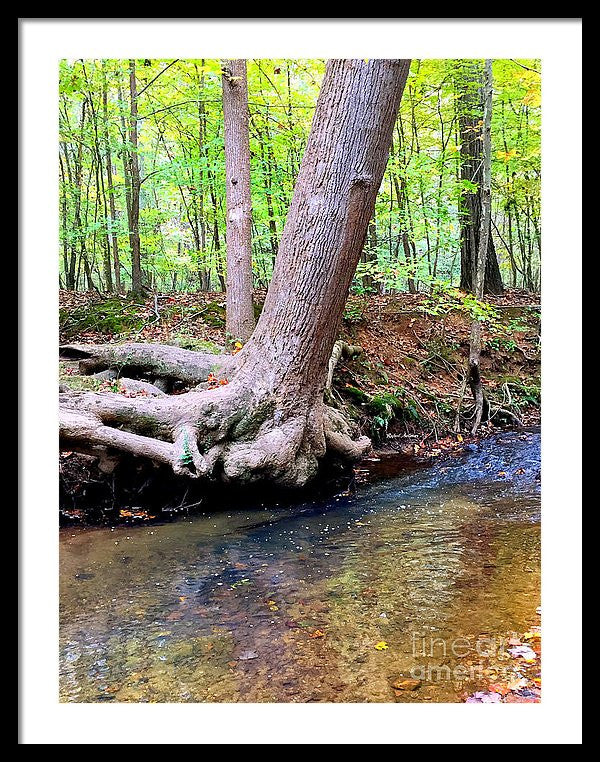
point(290, 604)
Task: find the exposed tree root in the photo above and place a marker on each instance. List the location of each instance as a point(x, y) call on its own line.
point(341, 349)
point(156, 361)
point(240, 432)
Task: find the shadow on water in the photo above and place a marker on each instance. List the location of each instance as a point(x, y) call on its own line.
point(289, 603)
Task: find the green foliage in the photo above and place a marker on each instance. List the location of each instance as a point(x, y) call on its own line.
point(445, 298)
point(415, 233)
point(522, 394)
point(498, 343)
point(354, 312)
point(383, 408)
point(186, 456)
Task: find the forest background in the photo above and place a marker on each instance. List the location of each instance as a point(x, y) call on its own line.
point(171, 172)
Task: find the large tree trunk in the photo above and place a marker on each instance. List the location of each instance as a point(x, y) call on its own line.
point(270, 420)
point(470, 117)
point(240, 313)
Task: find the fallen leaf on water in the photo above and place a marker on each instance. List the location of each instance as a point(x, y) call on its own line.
point(182, 598)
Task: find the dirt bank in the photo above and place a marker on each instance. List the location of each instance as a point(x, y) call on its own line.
point(405, 389)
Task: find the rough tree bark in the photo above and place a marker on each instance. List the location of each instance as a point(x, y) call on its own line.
point(483, 251)
point(470, 112)
point(240, 312)
point(270, 421)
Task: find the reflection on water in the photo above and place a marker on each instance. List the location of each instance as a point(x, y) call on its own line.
point(288, 604)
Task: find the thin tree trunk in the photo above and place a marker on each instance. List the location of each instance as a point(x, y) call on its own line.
point(83, 250)
point(404, 210)
point(369, 255)
point(266, 166)
point(126, 165)
point(469, 106)
point(64, 221)
point(201, 223)
point(240, 312)
point(483, 252)
point(100, 190)
point(78, 172)
point(217, 240)
point(109, 184)
point(134, 173)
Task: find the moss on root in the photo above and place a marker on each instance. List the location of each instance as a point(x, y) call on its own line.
point(76, 381)
point(196, 345)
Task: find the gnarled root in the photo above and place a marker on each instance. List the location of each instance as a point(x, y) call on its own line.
point(341, 437)
point(240, 432)
point(341, 349)
point(155, 361)
point(228, 433)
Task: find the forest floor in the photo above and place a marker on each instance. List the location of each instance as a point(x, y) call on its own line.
point(404, 389)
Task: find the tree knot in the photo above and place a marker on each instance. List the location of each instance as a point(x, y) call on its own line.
point(363, 181)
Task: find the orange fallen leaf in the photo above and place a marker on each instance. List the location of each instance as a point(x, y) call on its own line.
point(500, 688)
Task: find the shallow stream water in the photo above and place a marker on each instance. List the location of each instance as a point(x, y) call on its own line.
point(416, 577)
